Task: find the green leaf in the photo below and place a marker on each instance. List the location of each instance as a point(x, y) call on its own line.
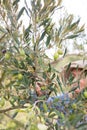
point(72, 36)
point(71, 78)
point(44, 75)
point(74, 88)
point(16, 48)
point(44, 22)
point(15, 37)
point(56, 126)
point(42, 97)
point(59, 2)
point(20, 13)
point(68, 67)
point(52, 88)
point(14, 115)
point(16, 62)
point(7, 4)
point(2, 37)
point(53, 76)
point(29, 60)
point(48, 40)
point(65, 52)
point(26, 81)
point(27, 12)
point(76, 119)
point(49, 69)
point(42, 36)
point(59, 83)
point(74, 24)
point(23, 66)
point(4, 2)
point(16, 2)
point(2, 29)
point(45, 106)
point(27, 30)
point(81, 29)
point(52, 114)
point(59, 31)
point(14, 72)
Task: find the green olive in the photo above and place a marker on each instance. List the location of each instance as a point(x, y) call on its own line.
point(7, 56)
point(85, 94)
point(56, 56)
point(74, 106)
point(20, 76)
point(43, 87)
point(60, 52)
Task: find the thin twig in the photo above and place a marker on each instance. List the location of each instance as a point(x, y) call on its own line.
point(12, 108)
point(37, 102)
point(2, 37)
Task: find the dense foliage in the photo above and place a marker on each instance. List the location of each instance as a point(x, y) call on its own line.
point(27, 76)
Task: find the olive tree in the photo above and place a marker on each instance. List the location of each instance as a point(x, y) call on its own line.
point(27, 78)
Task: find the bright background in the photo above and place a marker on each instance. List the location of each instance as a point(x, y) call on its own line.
point(76, 7)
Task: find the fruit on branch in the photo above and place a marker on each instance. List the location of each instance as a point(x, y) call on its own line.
point(74, 106)
point(56, 56)
point(7, 55)
point(20, 76)
point(60, 52)
point(85, 94)
point(43, 87)
point(4, 51)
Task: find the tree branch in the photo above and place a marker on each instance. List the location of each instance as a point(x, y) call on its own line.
point(12, 108)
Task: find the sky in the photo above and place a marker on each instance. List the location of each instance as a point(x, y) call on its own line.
point(78, 8)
